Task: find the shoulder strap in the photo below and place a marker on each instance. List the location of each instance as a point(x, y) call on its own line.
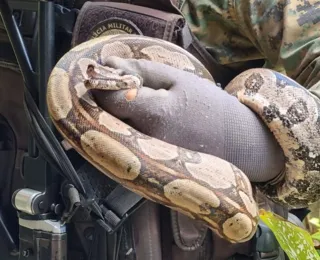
point(171, 6)
point(221, 74)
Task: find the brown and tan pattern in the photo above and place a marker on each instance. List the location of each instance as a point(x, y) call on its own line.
point(292, 113)
point(199, 185)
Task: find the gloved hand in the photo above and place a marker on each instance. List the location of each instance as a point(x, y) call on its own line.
point(182, 109)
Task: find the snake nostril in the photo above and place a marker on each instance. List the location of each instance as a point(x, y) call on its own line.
point(90, 70)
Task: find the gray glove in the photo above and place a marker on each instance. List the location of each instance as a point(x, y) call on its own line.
point(182, 109)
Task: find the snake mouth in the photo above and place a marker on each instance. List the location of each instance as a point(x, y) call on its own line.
point(98, 70)
point(105, 84)
point(106, 78)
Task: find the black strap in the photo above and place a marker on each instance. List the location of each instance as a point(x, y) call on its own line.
point(121, 200)
point(65, 18)
point(115, 205)
point(221, 74)
point(166, 233)
point(118, 206)
point(6, 53)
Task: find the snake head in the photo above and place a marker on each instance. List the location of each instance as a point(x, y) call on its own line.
point(106, 78)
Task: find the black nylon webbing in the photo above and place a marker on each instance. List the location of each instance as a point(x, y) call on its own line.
point(121, 200)
point(6, 52)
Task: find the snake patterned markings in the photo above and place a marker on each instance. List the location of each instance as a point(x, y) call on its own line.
point(199, 185)
point(292, 113)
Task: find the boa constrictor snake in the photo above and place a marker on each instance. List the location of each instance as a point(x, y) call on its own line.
point(199, 185)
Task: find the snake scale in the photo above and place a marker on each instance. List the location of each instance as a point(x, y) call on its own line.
point(198, 185)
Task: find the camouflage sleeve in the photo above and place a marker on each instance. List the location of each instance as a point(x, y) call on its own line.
point(284, 33)
point(287, 33)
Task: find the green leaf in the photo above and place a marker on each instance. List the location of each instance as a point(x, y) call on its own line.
point(316, 236)
point(315, 221)
point(295, 241)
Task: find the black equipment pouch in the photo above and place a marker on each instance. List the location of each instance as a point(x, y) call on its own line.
point(106, 18)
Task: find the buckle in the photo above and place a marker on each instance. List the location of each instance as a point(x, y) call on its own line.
point(111, 222)
point(266, 245)
point(269, 255)
point(117, 207)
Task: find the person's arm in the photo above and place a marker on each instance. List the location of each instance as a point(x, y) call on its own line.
point(285, 33)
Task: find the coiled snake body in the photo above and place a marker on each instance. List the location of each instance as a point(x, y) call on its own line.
point(199, 185)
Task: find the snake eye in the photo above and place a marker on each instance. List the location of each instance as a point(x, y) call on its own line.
point(90, 70)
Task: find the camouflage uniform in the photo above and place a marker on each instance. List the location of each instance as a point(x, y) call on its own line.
point(284, 33)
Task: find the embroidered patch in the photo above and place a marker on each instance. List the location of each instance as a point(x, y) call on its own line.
point(114, 26)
